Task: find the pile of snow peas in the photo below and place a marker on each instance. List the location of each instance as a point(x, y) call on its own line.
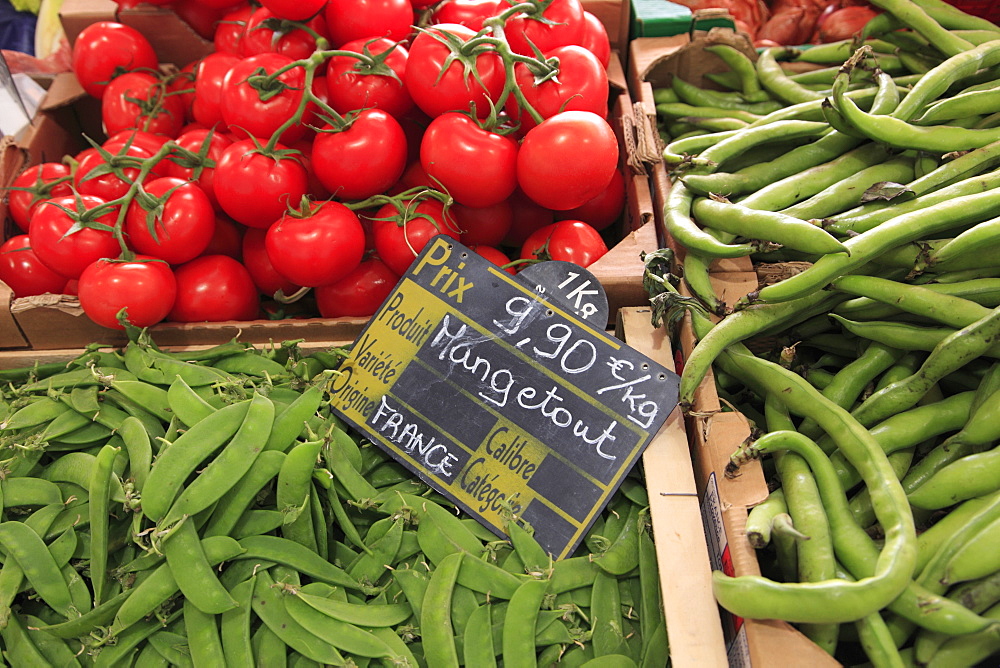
point(208, 508)
point(871, 374)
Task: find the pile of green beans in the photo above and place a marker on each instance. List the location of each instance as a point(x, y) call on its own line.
point(208, 509)
point(871, 375)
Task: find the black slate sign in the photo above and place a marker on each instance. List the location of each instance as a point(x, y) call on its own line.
point(505, 392)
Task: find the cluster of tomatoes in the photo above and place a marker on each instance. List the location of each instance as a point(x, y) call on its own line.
point(316, 150)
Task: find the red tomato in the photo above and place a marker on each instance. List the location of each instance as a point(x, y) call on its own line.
point(595, 38)
point(561, 23)
point(201, 15)
point(229, 31)
point(452, 144)
point(352, 84)
point(214, 288)
point(259, 111)
point(528, 217)
point(567, 240)
point(488, 225)
point(581, 84)
point(316, 249)
point(363, 160)
point(454, 89)
point(64, 249)
point(145, 287)
point(360, 293)
point(567, 160)
point(469, 13)
point(24, 273)
point(496, 256)
point(199, 169)
point(263, 273)
point(34, 185)
point(95, 175)
point(209, 74)
point(294, 10)
point(356, 19)
point(605, 209)
point(399, 238)
point(139, 100)
point(176, 226)
point(254, 188)
point(181, 86)
point(227, 239)
point(265, 33)
point(105, 49)
point(147, 141)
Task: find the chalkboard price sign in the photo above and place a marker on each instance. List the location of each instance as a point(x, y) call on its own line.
point(502, 394)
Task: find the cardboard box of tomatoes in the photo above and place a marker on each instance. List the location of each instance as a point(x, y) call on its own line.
point(55, 321)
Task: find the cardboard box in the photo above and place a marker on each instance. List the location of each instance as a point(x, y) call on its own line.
point(57, 322)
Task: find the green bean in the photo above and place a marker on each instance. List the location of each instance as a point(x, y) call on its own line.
point(435, 618)
point(345, 636)
point(203, 637)
point(293, 492)
point(977, 559)
point(702, 97)
point(742, 66)
point(234, 627)
point(940, 78)
point(775, 81)
point(269, 605)
point(234, 504)
point(192, 570)
point(100, 492)
point(779, 228)
point(862, 248)
point(946, 309)
point(856, 549)
point(680, 109)
point(783, 193)
point(972, 475)
point(229, 465)
point(849, 191)
point(175, 463)
point(186, 404)
point(970, 649)
point(914, 17)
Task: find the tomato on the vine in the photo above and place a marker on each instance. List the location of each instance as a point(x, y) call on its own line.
point(360, 293)
point(214, 288)
point(35, 185)
point(479, 82)
point(141, 101)
point(255, 102)
point(209, 74)
point(567, 160)
point(173, 220)
point(294, 10)
point(229, 30)
point(581, 84)
point(487, 225)
point(254, 187)
point(357, 19)
point(363, 159)
point(255, 259)
point(198, 169)
point(64, 243)
point(145, 287)
point(24, 273)
point(469, 13)
point(604, 209)
point(595, 38)
point(496, 256)
point(567, 240)
point(317, 247)
point(267, 32)
point(561, 22)
point(105, 49)
point(353, 84)
point(399, 237)
point(452, 143)
point(95, 172)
